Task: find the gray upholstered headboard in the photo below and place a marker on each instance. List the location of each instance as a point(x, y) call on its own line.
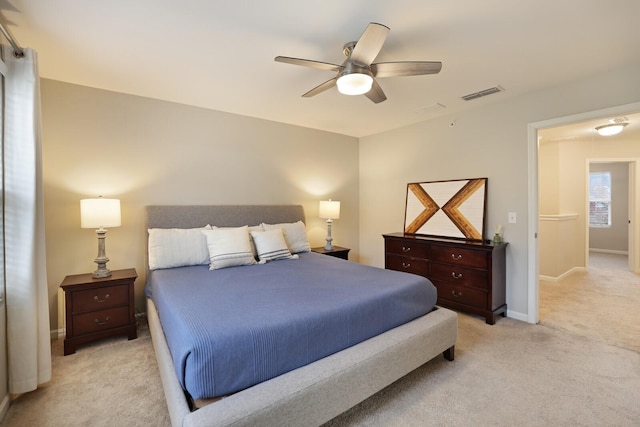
point(190, 216)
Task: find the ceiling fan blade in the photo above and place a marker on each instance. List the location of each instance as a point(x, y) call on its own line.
point(321, 88)
point(376, 94)
point(369, 44)
point(408, 68)
point(308, 63)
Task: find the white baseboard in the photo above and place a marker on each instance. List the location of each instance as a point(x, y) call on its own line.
point(57, 334)
point(517, 315)
point(4, 406)
point(562, 276)
point(609, 251)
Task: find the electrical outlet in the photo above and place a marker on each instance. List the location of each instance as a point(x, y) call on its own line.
point(512, 218)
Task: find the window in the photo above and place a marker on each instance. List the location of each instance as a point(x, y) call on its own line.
point(600, 199)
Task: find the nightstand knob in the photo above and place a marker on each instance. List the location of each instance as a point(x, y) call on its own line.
point(456, 294)
point(406, 264)
point(405, 249)
point(456, 276)
point(106, 319)
point(456, 257)
point(106, 297)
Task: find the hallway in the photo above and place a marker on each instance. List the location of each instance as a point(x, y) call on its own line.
point(601, 304)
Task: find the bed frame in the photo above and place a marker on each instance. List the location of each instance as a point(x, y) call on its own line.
point(312, 394)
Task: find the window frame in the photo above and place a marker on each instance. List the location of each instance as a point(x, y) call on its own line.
point(603, 200)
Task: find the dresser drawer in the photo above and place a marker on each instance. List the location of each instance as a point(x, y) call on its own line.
point(100, 320)
point(470, 274)
point(466, 257)
point(100, 298)
point(461, 294)
point(408, 265)
point(460, 276)
point(407, 248)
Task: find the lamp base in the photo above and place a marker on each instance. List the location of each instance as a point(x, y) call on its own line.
point(101, 273)
point(102, 260)
point(329, 239)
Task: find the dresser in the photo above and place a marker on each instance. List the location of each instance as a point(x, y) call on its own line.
point(98, 308)
point(470, 275)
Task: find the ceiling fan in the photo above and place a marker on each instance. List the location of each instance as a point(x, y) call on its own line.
point(356, 75)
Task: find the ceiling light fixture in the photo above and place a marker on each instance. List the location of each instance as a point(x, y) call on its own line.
point(354, 84)
point(610, 129)
point(354, 80)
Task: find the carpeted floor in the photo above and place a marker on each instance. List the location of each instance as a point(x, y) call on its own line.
point(114, 382)
point(511, 373)
point(602, 304)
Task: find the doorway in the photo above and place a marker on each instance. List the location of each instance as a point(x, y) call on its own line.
point(584, 121)
point(609, 215)
point(586, 183)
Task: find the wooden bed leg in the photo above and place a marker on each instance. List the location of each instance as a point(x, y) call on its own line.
point(449, 353)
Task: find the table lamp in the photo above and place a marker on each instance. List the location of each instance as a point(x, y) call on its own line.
point(100, 214)
point(330, 210)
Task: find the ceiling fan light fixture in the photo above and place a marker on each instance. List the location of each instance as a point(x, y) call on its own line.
point(610, 129)
point(354, 83)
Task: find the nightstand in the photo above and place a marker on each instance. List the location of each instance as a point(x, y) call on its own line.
point(99, 308)
point(337, 251)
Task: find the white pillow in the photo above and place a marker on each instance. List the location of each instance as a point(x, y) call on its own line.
point(177, 247)
point(295, 234)
point(250, 228)
point(229, 247)
point(271, 245)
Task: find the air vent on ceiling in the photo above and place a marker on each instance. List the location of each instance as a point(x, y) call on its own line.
point(482, 93)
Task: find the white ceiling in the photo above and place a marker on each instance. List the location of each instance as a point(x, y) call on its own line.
point(586, 130)
point(219, 54)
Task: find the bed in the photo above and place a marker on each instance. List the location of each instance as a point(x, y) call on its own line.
point(299, 389)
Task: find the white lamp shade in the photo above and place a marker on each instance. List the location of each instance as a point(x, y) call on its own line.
point(329, 209)
point(99, 213)
point(354, 83)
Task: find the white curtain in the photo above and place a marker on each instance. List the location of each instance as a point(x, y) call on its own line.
point(27, 302)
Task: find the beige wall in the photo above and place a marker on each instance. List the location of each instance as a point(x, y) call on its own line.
point(549, 175)
point(151, 152)
point(146, 151)
point(560, 250)
point(563, 190)
point(490, 141)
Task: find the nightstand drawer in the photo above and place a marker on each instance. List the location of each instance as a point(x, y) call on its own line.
point(100, 298)
point(461, 294)
point(406, 248)
point(408, 265)
point(459, 276)
point(100, 320)
point(465, 257)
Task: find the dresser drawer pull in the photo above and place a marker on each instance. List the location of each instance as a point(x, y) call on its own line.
point(106, 297)
point(106, 319)
point(456, 257)
point(406, 264)
point(456, 276)
point(406, 249)
point(456, 294)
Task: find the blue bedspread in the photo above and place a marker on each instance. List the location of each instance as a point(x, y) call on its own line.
point(230, 329)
